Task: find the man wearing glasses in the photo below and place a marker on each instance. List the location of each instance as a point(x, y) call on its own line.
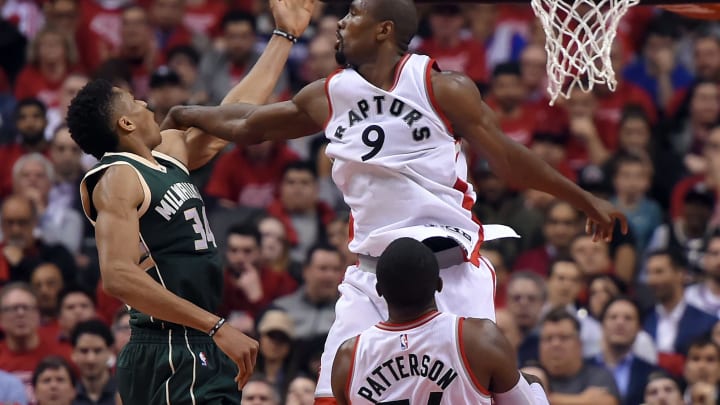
point(24, 346)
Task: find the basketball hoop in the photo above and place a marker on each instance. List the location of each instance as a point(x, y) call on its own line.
point(579, 37)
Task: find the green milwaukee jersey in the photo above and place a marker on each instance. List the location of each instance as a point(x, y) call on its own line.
point(174, 231)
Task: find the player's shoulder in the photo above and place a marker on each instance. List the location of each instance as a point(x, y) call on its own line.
point(118, 182)
point(451, 80)
point(481, 334)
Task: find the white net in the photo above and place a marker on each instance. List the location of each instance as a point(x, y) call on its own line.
point(579, 37)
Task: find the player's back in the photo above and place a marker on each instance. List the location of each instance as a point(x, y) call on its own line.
point(418, 363)
point(396, 159)
point(174, 231)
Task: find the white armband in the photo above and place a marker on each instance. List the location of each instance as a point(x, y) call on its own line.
point(523, 394)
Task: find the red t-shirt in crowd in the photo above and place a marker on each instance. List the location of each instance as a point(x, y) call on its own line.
point(535, 260)
point(31, 83)
point(98, 32)
point(275, 284)
point(610, 109)
point(467, 57)
point(205, 18)
point(247, 183)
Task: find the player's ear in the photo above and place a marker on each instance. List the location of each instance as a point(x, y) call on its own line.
point(439, 285)
point(126, 124)
point(385, 30)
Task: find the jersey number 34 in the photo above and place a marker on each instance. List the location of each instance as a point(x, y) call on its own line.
point(201, 226)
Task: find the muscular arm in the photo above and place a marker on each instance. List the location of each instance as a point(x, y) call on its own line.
point(245, 124)
point(473, 119)
point(116, 198)
point(195, 147)
point(342, 367)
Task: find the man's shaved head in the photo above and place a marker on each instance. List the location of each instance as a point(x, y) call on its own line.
point(402, 13)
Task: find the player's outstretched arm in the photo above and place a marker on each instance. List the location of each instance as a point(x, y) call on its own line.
point(471, 118)
point(195, 147)
point(342, 367)
point(116, 198)
point(246, 124)
point(492, 359)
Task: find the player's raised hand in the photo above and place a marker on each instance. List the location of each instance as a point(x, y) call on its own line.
point(241, 349)
point(292, 16)
point(601, 218)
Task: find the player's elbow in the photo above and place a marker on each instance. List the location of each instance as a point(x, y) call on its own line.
point(117, 281)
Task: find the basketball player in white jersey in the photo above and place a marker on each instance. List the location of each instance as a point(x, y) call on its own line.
point(393, 122)
point(422, 356)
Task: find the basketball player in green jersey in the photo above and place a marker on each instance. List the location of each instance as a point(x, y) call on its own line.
point(157, 253)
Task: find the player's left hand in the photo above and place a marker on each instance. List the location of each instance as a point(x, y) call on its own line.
point(292, 16)
point(601, 217)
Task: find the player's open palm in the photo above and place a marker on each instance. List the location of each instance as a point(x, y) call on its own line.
point(241, 349)
point(601, 218)
point(292, 16)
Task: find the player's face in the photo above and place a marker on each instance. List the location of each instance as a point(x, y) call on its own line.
point(135, 118)
point(663, 392)
point(356, 41)
point(54, 387)
point(91, 355)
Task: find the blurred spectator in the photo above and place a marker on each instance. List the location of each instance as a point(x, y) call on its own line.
point(571, 380)
point(12, 390)
point(222, 69)
point(705, 295)
point(100, 26)
point(517, 119)
point(502, 273)
point(138, 49)
point(526, 296)
point(533, 62)
point(249, 285)
point(51, 58)
point(312, 306)
point(564, 283)
point(305, 217)
point(506, 323)
point(620, 328)
point(321, 61)
point(591, 141)
point(30, 122)
point(552, 148)
point(706, 55)
point(503, 39)
point(24, 347)
point(203, 16)
point(632, 180)
point(301, 391)
point(691, 125)
point(185, 61)
point(13, 49)
point(661, 389)
point(92, 344)
point(259, 391)
point(562, 223)
point(22, 251)
point(167, 20)
point(121, 329)
point(66, 157)
point(56, 115)
point(47, 282)
point(673, 323)
point(275, 249)
point(249, 176)
point(338, 232)
point(450, 48)
point(656, 70)
point(76, 305)
point(591, 257)
point(33, 176)
point(687, 233)
point(166, 91)
point(276, 332)
point(54, 382)
point(702, 366)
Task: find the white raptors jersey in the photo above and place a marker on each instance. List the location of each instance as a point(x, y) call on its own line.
point(414, 364)
point(397, 162)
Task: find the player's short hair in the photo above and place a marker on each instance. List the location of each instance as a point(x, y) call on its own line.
point(408, 274)
point(403, 15)
point(90, 116)
point(52, 363)
point(76, 289)
point(92, 327)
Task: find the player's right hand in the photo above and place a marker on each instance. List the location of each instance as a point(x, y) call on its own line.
point(241, 349)
point(292, 16)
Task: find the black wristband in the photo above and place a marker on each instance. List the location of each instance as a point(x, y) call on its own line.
point(290, 37)
point(217, 327)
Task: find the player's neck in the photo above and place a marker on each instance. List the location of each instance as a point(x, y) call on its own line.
point(399, 316)
point(381, 72)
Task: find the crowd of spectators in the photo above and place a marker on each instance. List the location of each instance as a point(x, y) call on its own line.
point(631, 321)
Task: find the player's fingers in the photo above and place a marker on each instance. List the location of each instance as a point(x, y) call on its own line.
point(588, 226)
